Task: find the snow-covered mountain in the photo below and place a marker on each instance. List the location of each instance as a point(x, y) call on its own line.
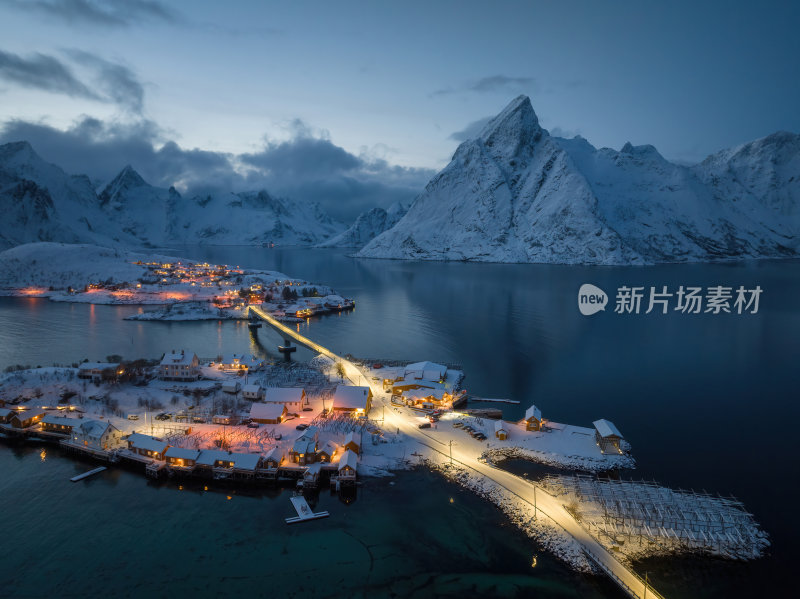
point(516, 194)
point(40, 202)
point(367, 226)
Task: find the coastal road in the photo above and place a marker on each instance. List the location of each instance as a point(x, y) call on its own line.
point(533, 494)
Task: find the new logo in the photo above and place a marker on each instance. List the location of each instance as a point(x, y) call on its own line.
point(591, 299)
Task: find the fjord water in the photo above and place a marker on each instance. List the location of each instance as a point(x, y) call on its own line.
point(707, 401)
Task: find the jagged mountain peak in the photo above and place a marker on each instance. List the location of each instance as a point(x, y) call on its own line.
point(19, 150)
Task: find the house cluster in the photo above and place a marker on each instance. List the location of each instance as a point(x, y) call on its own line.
point(93, 434)
point(305, 452)
point(422, 385)
point(235, 363)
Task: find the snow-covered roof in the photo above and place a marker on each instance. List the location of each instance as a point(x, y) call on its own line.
point(275, 455)
point(606, 428)
point(348, 459)
point(245, 461)
point(284, 394)
point(208, 457)
point(351, 438)
point(242, 360)
point(177, 359)
point(5, 412)
point(410, 380)
point(330, 448)
point(313, 469)
point(267, 411)
point(59, 420)
point(182, 454)
point(347, 397)
point(98, 366)
point(533, 412)
point(231, 386)
point(251, 389)
point(92, 428)
point(500, 425)
point(423, 393)
point(426, 370)
point(147, 442)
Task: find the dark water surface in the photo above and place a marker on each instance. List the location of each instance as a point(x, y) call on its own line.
point(707, 401)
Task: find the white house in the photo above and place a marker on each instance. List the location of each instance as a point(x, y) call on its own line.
point(292, 397)
point(253, 392)
point(96, 435)
point(179, 367)
point(355, 400)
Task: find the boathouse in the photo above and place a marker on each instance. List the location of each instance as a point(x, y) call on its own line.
point(268, 413)
point(253, 392)
point(533, 419)
point(500, 430)
point(356, 401)
point(292, 397)
point(58, 424)
point(179, 366)
point(311, 475)
point(304, 448)
point(147, 446)
point(97, 435)
point(608, 436)
point(348, 466)
point(181, 459)
point(26, 418)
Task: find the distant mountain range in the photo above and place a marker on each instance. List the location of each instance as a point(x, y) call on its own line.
point(40, 202)
point(516, 194)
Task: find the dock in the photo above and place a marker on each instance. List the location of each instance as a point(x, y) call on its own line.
point(88, 474)
point(304, 511)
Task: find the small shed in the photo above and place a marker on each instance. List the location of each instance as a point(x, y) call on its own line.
point(253, 392)
point(533, 419)
point(268, 413)
point(327, 452)
point(5, 415)
point(274, 458)
point(500, 430)
point(311, 475)
point(608, 436)
point(351, 442)
point(232, 387)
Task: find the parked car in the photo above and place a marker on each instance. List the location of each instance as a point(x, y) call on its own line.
point(425, 425)
point(309, 409)
point(301, 427)
point(458, 425)
point(252, 425)
point(133, 416)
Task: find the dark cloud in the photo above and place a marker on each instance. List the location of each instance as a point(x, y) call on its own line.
point(114, 13)
point(40, 71)
point(470, 131)
point(493, 83)
point(119, 83)
point(307, 167)
point(110, 82)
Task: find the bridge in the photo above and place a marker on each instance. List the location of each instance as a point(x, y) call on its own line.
point(543, 503)
point(257, 314)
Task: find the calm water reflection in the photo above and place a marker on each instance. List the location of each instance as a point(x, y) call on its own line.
point(707, 401)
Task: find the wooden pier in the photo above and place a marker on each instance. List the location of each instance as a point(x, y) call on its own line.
point(88, 474)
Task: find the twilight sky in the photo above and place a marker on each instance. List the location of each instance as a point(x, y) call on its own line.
point(357, 104)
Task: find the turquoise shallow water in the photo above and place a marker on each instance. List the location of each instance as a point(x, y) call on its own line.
point(708, 402)
point(119, 535)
